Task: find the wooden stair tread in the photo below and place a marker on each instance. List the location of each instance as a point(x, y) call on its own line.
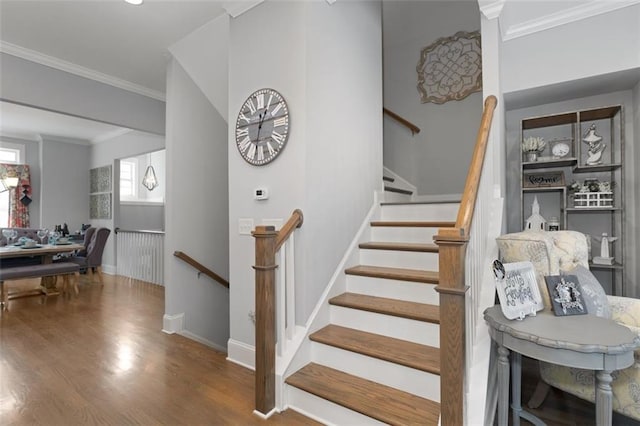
point(372, 399)
point(382, 305)
point(402, 274)
point(388, 179)
point(398, 190)
point(402, 352)
point(375, 245)
point(415, 224)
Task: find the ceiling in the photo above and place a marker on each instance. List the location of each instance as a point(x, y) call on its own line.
point(109, 37)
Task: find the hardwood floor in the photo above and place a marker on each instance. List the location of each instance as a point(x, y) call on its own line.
point(101, 358)
point(560, 408)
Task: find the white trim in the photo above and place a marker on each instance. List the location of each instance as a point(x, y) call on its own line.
point(109, 269)
point(139, 202)
point(583, 10)
point(491, 9)
point(202, 340)
point(237, 8)
point(266, 416)
point(242, 354)
point(173, 323)
point(110, 135)
point(62, 65)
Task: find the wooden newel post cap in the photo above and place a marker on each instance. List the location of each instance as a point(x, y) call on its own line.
point(264, 231)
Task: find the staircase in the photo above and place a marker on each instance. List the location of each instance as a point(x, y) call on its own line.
point(378, 359)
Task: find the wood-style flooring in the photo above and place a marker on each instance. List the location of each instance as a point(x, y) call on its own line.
point(101, 358)
point(560, 408)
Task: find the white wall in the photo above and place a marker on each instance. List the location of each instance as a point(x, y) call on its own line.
point(197, 211)
point(432, 159)
point(64, 196)
point(105, 153)
point(634, 226)
point(595, 46)
point(326, 62)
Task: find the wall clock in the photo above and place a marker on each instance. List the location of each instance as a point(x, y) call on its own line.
point(262, 127)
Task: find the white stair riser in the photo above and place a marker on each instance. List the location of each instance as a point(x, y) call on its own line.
point(402, 234)
point(394, 197)
point(325, 411)
point(417, 382)
point(438, 211)
point(393, 289)
point(387, 325)
point(399, 259)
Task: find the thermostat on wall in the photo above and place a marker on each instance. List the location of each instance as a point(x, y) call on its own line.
point(261, 194)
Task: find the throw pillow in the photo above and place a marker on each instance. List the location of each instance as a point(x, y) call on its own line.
point(594, 296)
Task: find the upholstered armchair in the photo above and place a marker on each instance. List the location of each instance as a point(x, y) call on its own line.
point(92, 258)
point(558, 252)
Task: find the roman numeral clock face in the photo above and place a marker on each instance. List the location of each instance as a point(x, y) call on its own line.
point(262, 127)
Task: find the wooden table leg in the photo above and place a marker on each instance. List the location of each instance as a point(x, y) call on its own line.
point(516, 380)
point(604, 398)
point(503, 386)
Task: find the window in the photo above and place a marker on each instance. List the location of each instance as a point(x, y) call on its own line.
point(128, 179)
point(9, 153)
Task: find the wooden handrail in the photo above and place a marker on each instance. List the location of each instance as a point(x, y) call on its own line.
point(201, 268)
point(452, 248)
point(295, 221)
point(465, 212)
point(406, 123)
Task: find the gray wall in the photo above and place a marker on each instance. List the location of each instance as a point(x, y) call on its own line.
point(433, 158)
point(29, 83)
point(106, 153)
point(141, 217)
point(328, 66)
point(65, 184)
point(197, 210)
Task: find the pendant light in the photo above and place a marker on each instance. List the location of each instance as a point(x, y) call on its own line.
point(149, 180)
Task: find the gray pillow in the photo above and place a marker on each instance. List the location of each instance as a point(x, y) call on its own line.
point(594, 296)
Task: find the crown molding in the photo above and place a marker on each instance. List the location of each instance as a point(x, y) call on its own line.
point(110, 135)
point(491, 9)
point(582, 11)
point(59, 64)
point(237, 8)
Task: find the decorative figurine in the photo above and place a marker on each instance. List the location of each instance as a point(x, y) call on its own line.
point(605, 256)
point(535, 222)
point(596, 147)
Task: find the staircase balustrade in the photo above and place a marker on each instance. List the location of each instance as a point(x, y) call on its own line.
point(140, 255)
point(275, 305)
point(452, 286)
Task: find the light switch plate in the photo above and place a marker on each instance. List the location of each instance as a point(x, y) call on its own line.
point(245, 226)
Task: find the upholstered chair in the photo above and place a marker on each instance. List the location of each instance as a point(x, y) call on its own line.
point(92, 259)
point(558, 252)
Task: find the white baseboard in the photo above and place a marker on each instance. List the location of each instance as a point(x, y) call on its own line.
point(109, 269)
point(241, 354)
point(202, 340)
point(438, 198)
point(173, 323)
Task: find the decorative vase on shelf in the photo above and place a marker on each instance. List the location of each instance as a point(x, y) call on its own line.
point(532, 156)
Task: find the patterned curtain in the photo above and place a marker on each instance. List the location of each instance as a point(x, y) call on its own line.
point(20, 196)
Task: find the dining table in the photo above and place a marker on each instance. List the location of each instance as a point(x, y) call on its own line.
point(45, 253)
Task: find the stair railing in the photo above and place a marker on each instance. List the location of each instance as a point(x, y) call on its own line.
point(201, 268)
point(406, 123)
point(452, 289)
point(273, 296)
point(140, 255)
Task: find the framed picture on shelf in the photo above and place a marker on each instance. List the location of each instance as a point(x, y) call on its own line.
point(566, 295)
point(518, 290)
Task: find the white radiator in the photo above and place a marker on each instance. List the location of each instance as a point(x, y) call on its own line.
point(140, 255)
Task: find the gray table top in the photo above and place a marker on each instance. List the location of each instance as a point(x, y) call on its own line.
point(580, 333)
